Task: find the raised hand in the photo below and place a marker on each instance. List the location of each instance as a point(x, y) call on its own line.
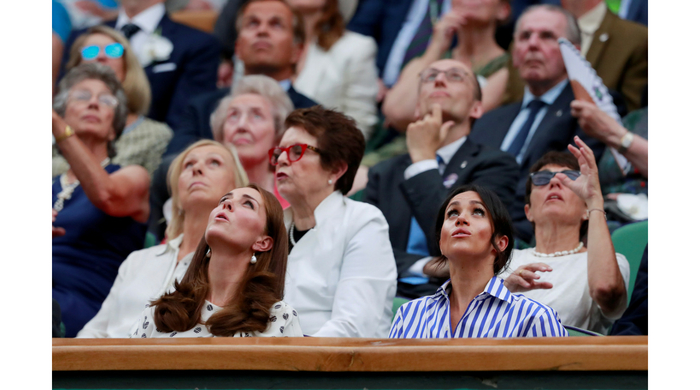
point(596, 123)
point(445, 29)
point(525, 278)
point(425, 136)
point(587, 186)
point(56, 231)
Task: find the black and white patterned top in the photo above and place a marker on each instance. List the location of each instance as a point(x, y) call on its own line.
point(284, 322)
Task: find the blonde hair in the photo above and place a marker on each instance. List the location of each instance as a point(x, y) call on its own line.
point(175, 227)
point(135, 83)
point(280, 103)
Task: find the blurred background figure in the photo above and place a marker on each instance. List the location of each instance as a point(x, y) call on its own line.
point(337, 66)
point(251, 120)
point(100, 209)
point(341, 274)
point(198, 178)
point(143, 140)
point(60, 28)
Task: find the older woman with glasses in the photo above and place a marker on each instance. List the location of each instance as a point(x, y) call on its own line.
point(341, 274)
point(143, 140)
point(99, 208)
point(586, 284)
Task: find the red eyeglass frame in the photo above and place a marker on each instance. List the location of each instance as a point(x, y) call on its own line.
point(271, 152)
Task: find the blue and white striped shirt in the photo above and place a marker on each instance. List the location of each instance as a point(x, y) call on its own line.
point(493, 313)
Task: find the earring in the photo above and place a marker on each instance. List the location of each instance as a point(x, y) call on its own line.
point(209, 252)
point(180, 212)
point(253, 260)
point(330, 181)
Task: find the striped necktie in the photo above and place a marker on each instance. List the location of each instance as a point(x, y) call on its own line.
point(425, 30)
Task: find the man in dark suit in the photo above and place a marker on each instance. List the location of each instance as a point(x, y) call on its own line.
point(410, 188)
point(189, 69)
point(542, 121)
point(264, 48)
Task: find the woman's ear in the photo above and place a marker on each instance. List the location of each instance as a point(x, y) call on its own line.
point(263, 244)
point(527, 212)
point(502, 243)
point(339, 171)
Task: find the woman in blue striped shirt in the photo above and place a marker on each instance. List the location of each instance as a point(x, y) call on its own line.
point(476, 240)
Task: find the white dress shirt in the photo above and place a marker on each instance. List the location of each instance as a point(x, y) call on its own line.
point(341, 275)
point(147, 20)
point(392, 68)
point(144, 276)
point(548, 97)
point(589, 24)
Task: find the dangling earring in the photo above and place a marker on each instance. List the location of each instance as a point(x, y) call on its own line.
point(253, 260)
point(209, 252)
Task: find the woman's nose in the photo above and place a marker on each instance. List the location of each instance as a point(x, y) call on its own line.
point(283, 158)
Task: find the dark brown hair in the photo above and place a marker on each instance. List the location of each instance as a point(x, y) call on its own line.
point(562, 159)
point(249, 310)
point(297, 20)
point(330, 26)
point(339, 140)
point(498, 216)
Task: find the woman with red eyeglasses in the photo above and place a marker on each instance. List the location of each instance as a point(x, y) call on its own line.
point(341, 272)
point(143, 140)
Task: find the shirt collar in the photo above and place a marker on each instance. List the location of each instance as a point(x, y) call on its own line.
point(591, 20)
point(324, 210)
point(548, 97)
point(448, 151)
point(285, 84)
point(147, 20)
point(172, 245)
point(495, 287)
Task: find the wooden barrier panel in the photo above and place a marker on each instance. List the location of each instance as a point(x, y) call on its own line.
point(353, 355)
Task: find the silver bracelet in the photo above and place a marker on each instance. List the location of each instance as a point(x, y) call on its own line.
point(588, 213)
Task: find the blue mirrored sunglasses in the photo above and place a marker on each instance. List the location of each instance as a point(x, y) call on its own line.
point(542, 178)
point(114, 50)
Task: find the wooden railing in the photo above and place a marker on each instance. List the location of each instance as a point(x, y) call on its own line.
point(201, 20)
point(353, 355)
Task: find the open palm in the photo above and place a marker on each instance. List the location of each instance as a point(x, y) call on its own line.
point(587, 186)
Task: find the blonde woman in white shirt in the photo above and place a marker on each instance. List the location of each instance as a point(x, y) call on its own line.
point(337, 67)
point(198, 178)
point(341, 275)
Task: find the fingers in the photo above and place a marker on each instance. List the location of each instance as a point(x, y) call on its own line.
point(57, 232)
point(586, 152)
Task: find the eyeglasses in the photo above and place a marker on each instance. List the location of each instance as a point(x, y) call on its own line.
point(114, 50)
point(85, 96)
point(294, 152)
point(542, 178)
point(452, 75)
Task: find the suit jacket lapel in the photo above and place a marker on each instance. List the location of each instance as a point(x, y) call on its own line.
point(562, 103)
point(462, 158)
point(314, 70)
point(597, 45)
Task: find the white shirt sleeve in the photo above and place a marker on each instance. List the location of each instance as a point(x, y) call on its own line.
point(145, 325)
point(420, 167)
point(417, 268)
point(367, 284)
point(360, 84)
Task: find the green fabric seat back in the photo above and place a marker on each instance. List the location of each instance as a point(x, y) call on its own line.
point(630, 240)
point(397, 303)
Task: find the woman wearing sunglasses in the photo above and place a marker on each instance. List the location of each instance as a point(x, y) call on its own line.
point(341, 273)
point(585, 282)
point(99, 208)
point(143, 140)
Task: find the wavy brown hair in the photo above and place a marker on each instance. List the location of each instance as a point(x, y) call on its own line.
point(249, 309)
point(331, 26)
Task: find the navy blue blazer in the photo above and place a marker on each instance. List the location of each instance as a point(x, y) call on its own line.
point(421, 196)
point(196, 58)
point(193, 123)
point(381, 19)
point(555, 132)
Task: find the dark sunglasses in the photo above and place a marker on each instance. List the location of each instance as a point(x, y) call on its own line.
point(114, 50)
point(294, 152)
point(542, 178)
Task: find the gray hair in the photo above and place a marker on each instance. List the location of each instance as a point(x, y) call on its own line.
point(261, 85)
point(573, 32)
point(94, 71)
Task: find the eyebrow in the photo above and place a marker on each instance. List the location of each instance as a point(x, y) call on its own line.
point(251, 198)
point(456, 202)
point(226, 196)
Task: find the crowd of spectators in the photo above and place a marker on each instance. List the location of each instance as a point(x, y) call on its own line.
point(303, 166)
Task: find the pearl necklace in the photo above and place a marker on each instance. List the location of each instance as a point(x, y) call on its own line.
point(557, 254)
point(291, 234)
point(67, 189)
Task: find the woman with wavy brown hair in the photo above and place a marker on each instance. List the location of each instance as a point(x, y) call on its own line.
point(235, 284)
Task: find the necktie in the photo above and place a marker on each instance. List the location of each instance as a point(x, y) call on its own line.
point(425, 30)
point(130, 29)
point(520, 138)
point(417, 242)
